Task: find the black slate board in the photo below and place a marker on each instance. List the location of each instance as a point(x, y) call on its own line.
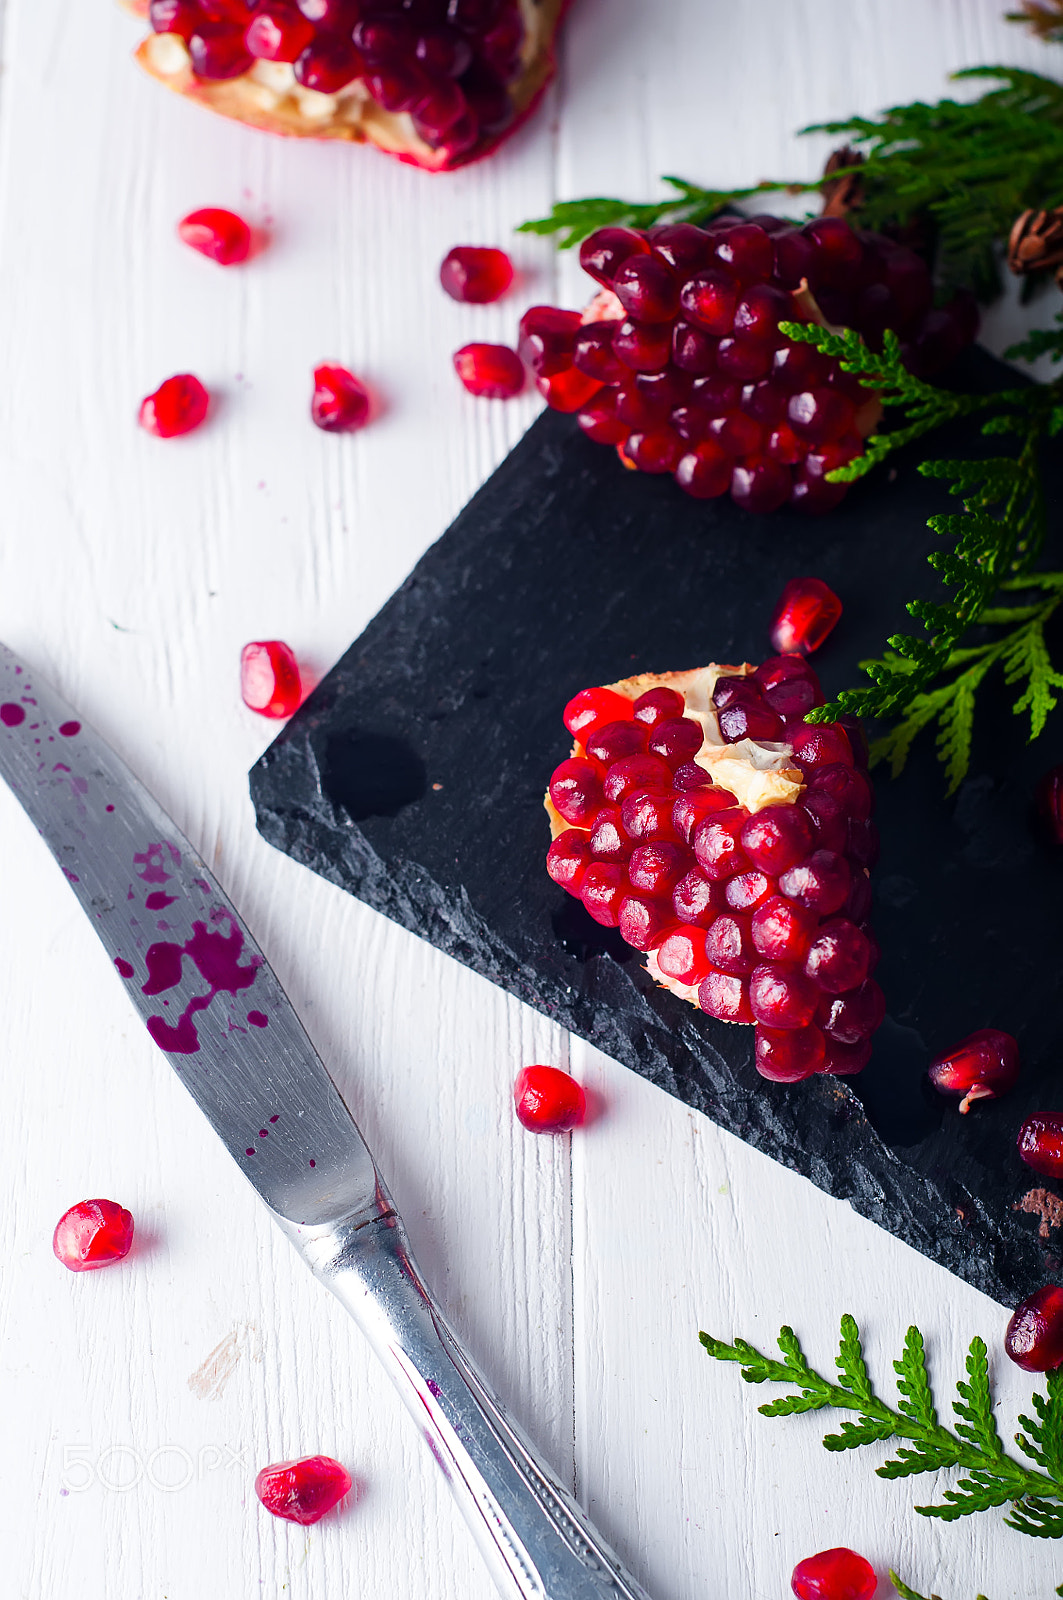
point(414, 777)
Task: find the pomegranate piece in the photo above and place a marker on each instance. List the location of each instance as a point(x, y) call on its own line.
point(219, 235)
point(981, 1067)
point(178, 406)
point(340, 403)
point(92, 1234)
point(1034, 1338)
point(805, 615)
point(1040, 1143)
point(490, 371)
point(476, 274)
point(431, 83)
point(269, 678)
point(761, 417)
point(302, 1491)
point(548, 1100)
point(744, 886)
point(838, 1574)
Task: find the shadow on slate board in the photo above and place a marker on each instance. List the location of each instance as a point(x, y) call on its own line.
point(414, 777)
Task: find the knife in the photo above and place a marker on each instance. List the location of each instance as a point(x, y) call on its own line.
point(212, 1004)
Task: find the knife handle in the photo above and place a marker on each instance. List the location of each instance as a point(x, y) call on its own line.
point(533, 1535)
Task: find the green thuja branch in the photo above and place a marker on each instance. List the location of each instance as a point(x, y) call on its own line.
point(962, 169)
point(973, 1445)
point(908, 1593)
point(989, 550)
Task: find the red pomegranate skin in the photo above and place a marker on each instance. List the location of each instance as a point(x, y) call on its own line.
point(92, 1234)
point(302, 1491)
point(1034, 1339)
point(981, 1067)
point(1040, 1143)
point(838, 1574)
point(548, 1100)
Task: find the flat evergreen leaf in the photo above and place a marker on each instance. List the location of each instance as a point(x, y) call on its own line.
point(916, 1400)
point(851, 1435)
point(1040, 1519)
point(852, 1368)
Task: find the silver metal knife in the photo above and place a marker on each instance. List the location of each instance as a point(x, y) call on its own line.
point(214, 1007)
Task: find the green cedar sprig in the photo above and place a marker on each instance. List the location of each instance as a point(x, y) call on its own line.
point(965, 168)
point(992, 545)
point(993, 1478)
point(908, 1593)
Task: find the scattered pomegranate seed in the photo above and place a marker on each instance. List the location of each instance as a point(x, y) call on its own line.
point(838, 1574)
point(1050, 802)
point(1034, 1339)
point(220, 235)
point(490, 371)
point(476, 274)
point(269, 678)
point(340, 402)
point(177, 406)
point(302, 1491)
point(981, 1067)
point(1040, 1143)
point(92, 1234)
point(548, 1100)
point(805, 615)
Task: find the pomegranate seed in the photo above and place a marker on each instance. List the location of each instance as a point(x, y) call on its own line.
point(821, 882)
point(845, 1060)
point(729, 946)
point(568, 858)
point(443, 53)
point(658, 705)
point(725, 997)
point(548, 1100)
point(609, 841)
point(747, 891)
point(278, 32)
point(547, 340)
point(340, 403)
point(696, 900)
point(786, 1055)
point(851, 789)
point(776, 838)
point(782, 931)
point(1050, 802)
point(92, 1234)
point(269, 678)
point(593, 353)
point(221, 235)
point(839, 957)
point(633, 773)
point(682, 956)
point(705, 472)
point(676, 740)
point(329, 64)
point(603, 252)
point(821, 746)
point(491, 371)
point(734, 691)
point(851, 1017)
point(592, 708)
point(647, 288)
point(647, 815)
point(830, 825)
point(604, 887)
point(820, 415)
point(1040, 1143)
point(747, 251)
point(781, 996)
point(567, 391)
point(643, 347)
point(643, 921)
point(838, 1574)
point(218, 52)
point(599, 421)
point(576, 790)
point(760, 484)
point(717, 844)
point(745, 719)
point(175, 16)
point(736, 433)
point(177, 406)
point(654, 869)
point(1034, 1339)
point(302, 1491)
point(981, 1067)
point(693, 350)
point(783, 669)
point(612, 741)
point(805, 615)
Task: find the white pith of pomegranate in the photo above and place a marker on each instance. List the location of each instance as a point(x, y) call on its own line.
point(731, 843)
point(679, 362)
point(437, 83)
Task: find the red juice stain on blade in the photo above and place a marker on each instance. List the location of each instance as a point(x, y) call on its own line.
point(124, 967)
point(160, 900)
point(11, 714)
point(215, 955)
point(257, 1019)
point(69, 729)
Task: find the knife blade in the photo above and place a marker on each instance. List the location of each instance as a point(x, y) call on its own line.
point(210, 1001)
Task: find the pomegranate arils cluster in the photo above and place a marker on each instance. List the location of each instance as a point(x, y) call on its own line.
point(680, 363)
point(435, 82)
point(730, 842)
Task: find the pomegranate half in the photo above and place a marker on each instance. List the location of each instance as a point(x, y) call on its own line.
point(438, 89)
point(731, 842)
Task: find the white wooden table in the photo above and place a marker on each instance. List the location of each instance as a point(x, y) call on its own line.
point(138, 1403)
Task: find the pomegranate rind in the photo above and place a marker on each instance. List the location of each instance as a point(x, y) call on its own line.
point(268, 96)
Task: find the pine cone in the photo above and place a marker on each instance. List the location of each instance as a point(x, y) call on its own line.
point(1043, 17)
point(842, 195)
point(1036, 242)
